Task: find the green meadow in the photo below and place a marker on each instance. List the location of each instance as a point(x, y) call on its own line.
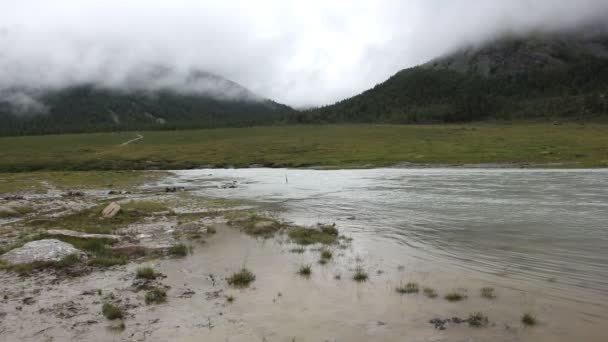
point(331, 146)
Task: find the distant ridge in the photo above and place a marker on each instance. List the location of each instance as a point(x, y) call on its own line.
point(537, 76)
point(154, 100)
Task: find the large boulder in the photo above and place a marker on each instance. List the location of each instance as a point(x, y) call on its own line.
point(111, 210)
point(40, 251)
point(81, 235)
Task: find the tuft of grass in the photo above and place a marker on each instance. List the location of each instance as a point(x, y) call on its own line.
point(259, 226)
point(241, 279)
point(230, 299)
point(112, 311)
point(67, 262)
point(88, 220)
point(429, 292)
point(329, 229)
point(488, 292)
point(179, 250)
point(305, 270)
point(454, 297)
point(408, 288)
point(529, 319)
point(308, 236)
point(360, 275)
point(326, 254)
point(298, 250)
point(156, 295)
point(477, 319)
point(145, 273)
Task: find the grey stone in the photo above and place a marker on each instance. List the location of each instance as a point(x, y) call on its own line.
point(81, 235)
point(41, 250)
point(111, 210)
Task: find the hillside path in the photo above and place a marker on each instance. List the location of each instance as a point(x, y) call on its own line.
point(139, 137)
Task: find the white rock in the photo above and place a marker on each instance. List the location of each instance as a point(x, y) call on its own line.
point(72, 233)
point(41, 250)
point(111, 210)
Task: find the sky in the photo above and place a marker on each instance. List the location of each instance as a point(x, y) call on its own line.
point(301, 53)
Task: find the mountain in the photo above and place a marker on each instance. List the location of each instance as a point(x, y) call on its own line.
point(536, 76)
point(156, 99)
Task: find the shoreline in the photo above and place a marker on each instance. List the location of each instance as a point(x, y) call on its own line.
point(280, 304)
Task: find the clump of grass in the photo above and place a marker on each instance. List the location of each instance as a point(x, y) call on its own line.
point(308, 236)
point(305, 270)
point(230, 299)
point(477, 319)
point(529, 319)
point(329, 229)
point(156, 295)
point(488, 292)
point(326, 254)
point(429, 292)
point(88, 221)
point(112, 311)
point(454, 297)
point(241, 279)
point(68, 261)
point(107, 261)
point(259, 226)
point(145, 273)
point(26, 269)
point(298, 250)
point(360, 275)
point(408, 288)
point(179, 250)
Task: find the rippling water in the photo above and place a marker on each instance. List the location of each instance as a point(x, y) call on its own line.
point(532, 225)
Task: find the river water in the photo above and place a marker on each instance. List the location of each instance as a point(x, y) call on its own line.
point(548, 226)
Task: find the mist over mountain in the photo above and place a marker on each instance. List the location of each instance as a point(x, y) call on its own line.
point(539, 75)
point(155, 99)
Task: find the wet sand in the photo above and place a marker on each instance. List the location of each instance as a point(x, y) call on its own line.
point(280, 305)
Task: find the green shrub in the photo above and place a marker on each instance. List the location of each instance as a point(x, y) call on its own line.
point(179, 250)
point(145, 273)
point(156, 295)
point(241, 279)
point(111, 311)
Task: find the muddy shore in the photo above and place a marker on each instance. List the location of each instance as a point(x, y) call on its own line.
point(280, 305)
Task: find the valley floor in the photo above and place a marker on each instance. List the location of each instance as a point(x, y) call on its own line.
point(322, 146)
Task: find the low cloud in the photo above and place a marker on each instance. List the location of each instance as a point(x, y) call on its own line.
point(302, 53)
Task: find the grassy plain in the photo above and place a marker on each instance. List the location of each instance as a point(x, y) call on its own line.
point(365, 145)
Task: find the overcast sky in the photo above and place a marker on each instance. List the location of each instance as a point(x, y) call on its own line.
point(301, 53)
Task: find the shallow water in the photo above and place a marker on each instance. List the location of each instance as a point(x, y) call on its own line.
point(547, 228)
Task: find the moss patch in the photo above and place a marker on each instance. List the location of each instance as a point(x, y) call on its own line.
point(308, 236)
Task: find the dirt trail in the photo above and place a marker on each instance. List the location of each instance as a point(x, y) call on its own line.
point(139, 137)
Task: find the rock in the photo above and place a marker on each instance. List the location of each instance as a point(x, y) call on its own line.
point(111, 210)
point(8, 212)
point(73, 194)
point(41, 250)
point(118, 192)
point(189, 228)
point(81, 235)
point(13, 198)
point(232, 185)
point(28, 300)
